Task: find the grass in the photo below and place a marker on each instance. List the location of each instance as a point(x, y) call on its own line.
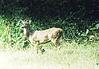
point(70, 56)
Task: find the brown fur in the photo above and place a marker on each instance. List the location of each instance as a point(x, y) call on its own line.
point(43, 36)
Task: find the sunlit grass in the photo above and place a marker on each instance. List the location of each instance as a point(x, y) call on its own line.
point(70, 56)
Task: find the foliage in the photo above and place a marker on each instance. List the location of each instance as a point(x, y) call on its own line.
point(14, 33)
point(78, 19)
point(46, 14)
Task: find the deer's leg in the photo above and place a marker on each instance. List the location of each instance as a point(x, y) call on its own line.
point(37, 47)
point(42, 51)
point(54, 42)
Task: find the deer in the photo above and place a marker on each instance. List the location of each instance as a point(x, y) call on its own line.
point(39, 37)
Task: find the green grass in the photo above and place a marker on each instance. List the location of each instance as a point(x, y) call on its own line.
point(75, 52)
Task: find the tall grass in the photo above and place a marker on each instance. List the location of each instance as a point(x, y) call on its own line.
point(11, 31)
point(74, 47)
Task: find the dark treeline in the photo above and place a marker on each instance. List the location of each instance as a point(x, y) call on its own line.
point(84, 9)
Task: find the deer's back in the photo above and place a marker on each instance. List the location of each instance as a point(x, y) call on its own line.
point(46, 35)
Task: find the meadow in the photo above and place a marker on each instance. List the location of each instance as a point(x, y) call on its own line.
point(76, 52)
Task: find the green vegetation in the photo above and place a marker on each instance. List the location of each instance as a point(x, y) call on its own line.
point(76, 44)
point(73, 46)
point(11, 31)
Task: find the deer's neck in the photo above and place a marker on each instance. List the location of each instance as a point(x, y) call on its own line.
point(26, 32)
